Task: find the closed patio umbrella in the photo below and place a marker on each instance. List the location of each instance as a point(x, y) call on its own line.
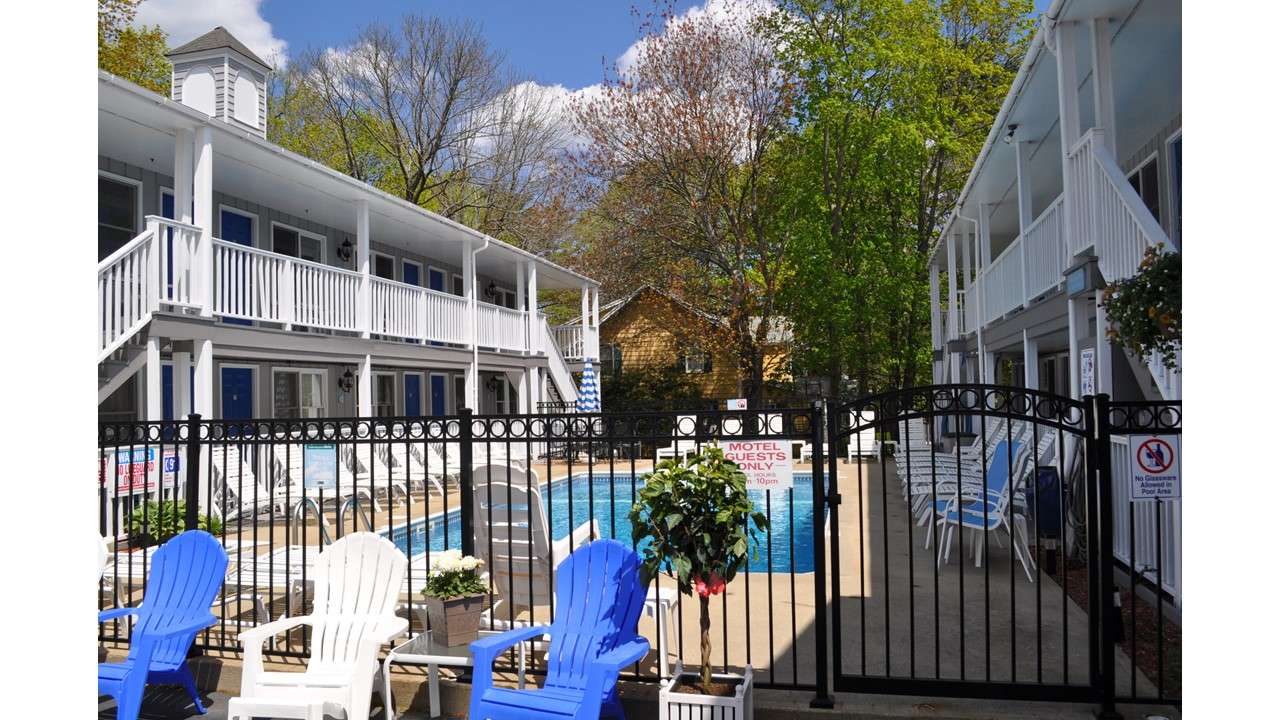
point(588, 396)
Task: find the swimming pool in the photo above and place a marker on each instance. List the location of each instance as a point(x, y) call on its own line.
point(787, 547)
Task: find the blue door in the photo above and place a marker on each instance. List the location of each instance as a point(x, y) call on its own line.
point(411, 274)
point(437, 394)
point(166, 389)
point(412, 394)
point(237, 393)
point(237, 228)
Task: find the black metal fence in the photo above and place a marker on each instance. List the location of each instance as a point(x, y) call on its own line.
point(518, 491)
point(979, 536)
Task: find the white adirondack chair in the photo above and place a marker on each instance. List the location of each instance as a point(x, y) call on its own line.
point(513, 537)
point(357, 585)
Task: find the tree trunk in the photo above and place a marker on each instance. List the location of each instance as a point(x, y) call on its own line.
point(704, 624)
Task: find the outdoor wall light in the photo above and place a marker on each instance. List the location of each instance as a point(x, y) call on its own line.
point(492, 383)
point(1008, 135)
point(491, 292)
point(344, 250)
point(346, 381)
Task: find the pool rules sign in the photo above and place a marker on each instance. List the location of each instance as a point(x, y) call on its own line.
point(767, 463)
point(1155, 466)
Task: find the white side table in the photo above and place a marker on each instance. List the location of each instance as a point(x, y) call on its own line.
point(660, 604)
point(420, 650)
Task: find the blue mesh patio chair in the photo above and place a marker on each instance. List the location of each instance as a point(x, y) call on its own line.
point(186, 575)
point(599, 596)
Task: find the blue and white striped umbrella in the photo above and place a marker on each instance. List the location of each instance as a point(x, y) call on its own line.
point(588, 395)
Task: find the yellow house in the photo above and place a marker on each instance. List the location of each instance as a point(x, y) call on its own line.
point(653, 329)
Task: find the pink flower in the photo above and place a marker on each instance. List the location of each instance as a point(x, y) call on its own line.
point(706, 589)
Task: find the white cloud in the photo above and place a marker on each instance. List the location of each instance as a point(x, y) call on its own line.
point(738, 11)
point(185, 20)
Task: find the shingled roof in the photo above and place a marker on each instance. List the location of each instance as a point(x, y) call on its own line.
point(216, 39)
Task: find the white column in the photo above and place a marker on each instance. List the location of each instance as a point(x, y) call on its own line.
point(182, 175)
point(472, 378)
point(1073, 349)
point(1102, 352)
point(1068, 124)
point(935, 308)
point(984, 234)
point(1030, 361)
point(202, 216)
point(586, 324)
point(204, 378)
point(1104, 107)
point(988, 367)
point(522, 300)
point(953, 298)
point(967, 264)
point(522, 393)
point(595, 326)
point(181, 385)
point(1025, 218)
point(534, 384)
point(154, 391)
point(364, 387)
point(364, 304)
point(531, 305)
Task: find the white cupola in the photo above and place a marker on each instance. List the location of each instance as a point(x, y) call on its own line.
point(217, 75)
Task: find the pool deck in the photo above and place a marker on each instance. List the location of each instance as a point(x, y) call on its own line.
point(771, 616)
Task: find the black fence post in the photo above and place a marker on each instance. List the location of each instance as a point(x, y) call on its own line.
point(464, 484)
point(1100, 409)
point(822, 698)
point(192, 519)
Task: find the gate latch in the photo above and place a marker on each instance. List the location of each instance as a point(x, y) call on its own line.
point(833, 499)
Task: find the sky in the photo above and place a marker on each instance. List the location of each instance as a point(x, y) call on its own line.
point(553, 42)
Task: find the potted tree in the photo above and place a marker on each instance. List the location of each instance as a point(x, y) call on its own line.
point(695, 519)
point(454, 597)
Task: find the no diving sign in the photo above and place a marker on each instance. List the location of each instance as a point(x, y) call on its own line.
point(1155, 466)
point(766, 463)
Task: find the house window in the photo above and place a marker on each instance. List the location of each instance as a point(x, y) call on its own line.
point(384, 395)
point(459, 393)
point(459, 288)
point(298, 393)
point(246, 100)
point(117, 214)
point(1175, 187)
point(384, 266)
point(610, 359)
point(295, 243)
point(696, 361)
point(1146, 182)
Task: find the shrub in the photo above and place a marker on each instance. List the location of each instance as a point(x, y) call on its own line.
point(698, 516)
point(156, 522)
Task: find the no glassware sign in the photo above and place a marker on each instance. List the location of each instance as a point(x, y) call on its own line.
point(1155, 466)
point(767, 463)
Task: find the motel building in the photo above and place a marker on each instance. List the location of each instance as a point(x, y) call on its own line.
point(1080, 174)
point(239, 280)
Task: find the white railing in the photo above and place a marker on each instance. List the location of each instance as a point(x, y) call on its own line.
point(1156, 556)
point(178, 259)
point(324, 296)
point(569, 338)
point(398, 309)
point(556, 366)
point(1002, 283)
point(446, 317)
point(1046, 256)
point(499, 327)
point(251, 284)
point(126, 282)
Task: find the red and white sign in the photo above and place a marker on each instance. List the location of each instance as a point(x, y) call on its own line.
point(1155, 466)
point(135, 471)
point(767, 463)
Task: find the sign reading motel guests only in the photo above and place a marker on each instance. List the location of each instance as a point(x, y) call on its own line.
point(1155, 466)
point(767, 463)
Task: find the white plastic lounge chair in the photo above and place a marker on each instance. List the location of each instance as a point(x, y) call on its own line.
point(861, 443)
point(681, 448)
point(513, 537)
point(358, 581)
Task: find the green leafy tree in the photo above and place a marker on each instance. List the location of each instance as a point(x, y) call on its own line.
point(701, 521)
point(133, 53)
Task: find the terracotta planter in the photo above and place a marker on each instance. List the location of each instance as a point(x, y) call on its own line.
point(455, 621)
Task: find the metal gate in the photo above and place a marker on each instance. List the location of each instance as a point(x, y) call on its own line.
point(971, 543)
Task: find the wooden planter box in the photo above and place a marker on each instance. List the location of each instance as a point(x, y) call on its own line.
point(455, 621)
point(674, 705)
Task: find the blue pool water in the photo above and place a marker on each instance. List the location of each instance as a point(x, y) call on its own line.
point(787, 547)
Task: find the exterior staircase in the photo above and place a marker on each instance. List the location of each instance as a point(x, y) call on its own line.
point(561, 375)
point(121, 364)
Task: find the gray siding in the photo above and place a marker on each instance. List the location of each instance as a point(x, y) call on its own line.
point(1159, 145)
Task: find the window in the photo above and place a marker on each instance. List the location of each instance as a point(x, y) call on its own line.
point(459, 288)
point(1175, 187)
point(117, 214)
point(298, 393)
point(198, 90)
point(295, 243)
point(384, 266)
point(384, 395)
point(1146, 182)
point(610, 359)
point(696, 361)
point(459, 392)
point(246, 100)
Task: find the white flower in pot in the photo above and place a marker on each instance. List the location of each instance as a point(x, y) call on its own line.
point(454, 597)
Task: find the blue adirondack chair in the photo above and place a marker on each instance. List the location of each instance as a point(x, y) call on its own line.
point(599, 596)
point(185, 576)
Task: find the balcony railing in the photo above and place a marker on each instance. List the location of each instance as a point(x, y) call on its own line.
point(575, 342)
